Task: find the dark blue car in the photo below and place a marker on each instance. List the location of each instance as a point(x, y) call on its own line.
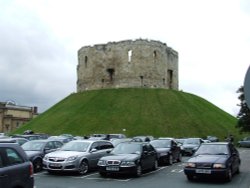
point(215, 159)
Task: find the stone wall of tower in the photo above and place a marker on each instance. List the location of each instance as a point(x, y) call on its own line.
point(126, 64)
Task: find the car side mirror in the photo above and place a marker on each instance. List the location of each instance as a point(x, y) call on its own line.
point(93, 150)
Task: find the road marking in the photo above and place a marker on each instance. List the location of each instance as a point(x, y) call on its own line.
point(177, 170)
point(85, 176)
point(109, 179)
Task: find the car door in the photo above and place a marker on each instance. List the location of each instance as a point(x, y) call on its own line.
point(3, 174)
point(235, 160)
point(94, 154)
point(14, 169)
point(148, 156)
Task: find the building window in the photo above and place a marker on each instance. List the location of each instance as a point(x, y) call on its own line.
point(86, 61)
point(130, 55)
point(111, 74)
point(170, 79)
point(164, 81)
point(154, 54)
point(141, 77)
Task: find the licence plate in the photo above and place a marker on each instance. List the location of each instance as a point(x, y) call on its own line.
point(203, 171)
point(55, 165)
point(112, 168)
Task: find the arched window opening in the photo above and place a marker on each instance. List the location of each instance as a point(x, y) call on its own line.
point(164, 81)
point(170, 79)
point(141, 77)
point(86, 61)
point(130, 55)
point(111, 74)
point(154, 54)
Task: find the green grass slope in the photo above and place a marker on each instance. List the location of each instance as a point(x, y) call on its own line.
point(157, 112)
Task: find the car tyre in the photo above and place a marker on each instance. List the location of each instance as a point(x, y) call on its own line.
point(179, 157)
point(138, 172)
point(170, 160)
point(38, 165)
point(83, 168)
point(229, 175)
point(155, 164)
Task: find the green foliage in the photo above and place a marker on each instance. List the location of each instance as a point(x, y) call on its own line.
point(157, 112)
point(244, 114)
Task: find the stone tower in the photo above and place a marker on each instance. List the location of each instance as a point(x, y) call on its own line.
point(126, 64)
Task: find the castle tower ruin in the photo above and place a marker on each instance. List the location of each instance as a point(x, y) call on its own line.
point(126, 64)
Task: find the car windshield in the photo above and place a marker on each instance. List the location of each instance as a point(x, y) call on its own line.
point(192, 141)
point(76, 146)
point(161, 143)
point(127, 148)
point(212, 149)
point(33, 146)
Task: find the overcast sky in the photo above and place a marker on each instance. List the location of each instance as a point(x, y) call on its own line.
point(39, 40)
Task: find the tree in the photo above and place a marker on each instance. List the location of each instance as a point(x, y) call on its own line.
point(244, 114)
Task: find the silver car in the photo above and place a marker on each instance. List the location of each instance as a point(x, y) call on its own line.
point(77, 156)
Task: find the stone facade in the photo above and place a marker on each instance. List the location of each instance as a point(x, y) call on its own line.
point(12, 116)
point(126, 64)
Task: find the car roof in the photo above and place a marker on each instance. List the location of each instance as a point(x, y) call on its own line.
point(90, 141)
point(215, 143)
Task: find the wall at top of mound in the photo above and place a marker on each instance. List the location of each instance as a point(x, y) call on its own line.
point(126, 64)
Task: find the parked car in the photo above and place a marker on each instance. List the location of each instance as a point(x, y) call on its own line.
point(142, 138)
point(212, 138)
point(15, 168)
point(190, 145)
point(77, 156)
point(20, 141)
point(117, 141)
point(215, 159)
point(168, 151)
point(245, 142)
point(62, 139)
point(37, 149)
point(27, 136)
point(129, 158)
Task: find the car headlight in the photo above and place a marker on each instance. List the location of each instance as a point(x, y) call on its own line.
point(127, 163)
point(101, 163)
point(195, 148)
point(190, 165)
point(219, 165)
point(46, 158)
point(72, 158)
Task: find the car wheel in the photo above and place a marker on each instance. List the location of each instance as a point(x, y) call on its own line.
point(83, 168)
point(38, 165)
point(138, 172)
point(229, 175)
point(179, 158)
point(190, 177)
point(170, 160)
point(155, 164)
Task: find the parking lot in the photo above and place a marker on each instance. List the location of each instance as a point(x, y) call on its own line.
point(165, 176)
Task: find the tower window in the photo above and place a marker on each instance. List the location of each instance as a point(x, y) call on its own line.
point(86, 61)
point(130, 55)
point(111, 74)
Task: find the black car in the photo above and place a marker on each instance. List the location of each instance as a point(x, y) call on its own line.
point(37, 149)
point(129, 158)
point(168, 151)
point(190, 145)
point(215, 159)
point(15, 168)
